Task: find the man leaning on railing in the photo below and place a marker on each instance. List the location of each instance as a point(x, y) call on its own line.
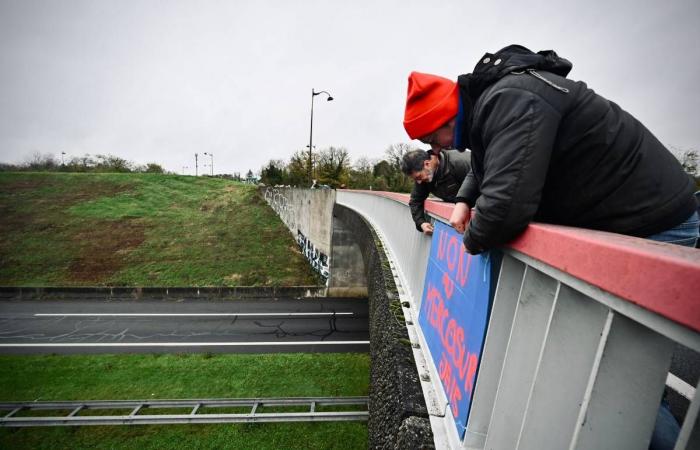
point(440, 174)
point(549, 149)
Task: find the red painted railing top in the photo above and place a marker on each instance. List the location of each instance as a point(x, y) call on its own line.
point(661, 278)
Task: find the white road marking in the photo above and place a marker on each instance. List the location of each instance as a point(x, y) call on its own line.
point(182, 344)
point(309, 314)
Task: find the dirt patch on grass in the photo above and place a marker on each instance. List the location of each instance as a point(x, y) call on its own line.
point(26, 184)
point(91, 191)
point(47, 209)
point(103, 249)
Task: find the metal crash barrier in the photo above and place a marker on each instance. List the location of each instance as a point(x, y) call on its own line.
point(566, 339)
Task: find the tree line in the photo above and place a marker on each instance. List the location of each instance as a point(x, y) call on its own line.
point(86, 163)
point(333, 167)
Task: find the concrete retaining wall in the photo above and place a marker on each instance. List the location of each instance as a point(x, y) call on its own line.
point(171, 293)
point(347, 275)
point(325, 240)
point(308, 213)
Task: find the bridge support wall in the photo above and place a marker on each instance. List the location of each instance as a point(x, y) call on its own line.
point(326, 242)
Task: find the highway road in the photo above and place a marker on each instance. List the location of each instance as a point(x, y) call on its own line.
point(169, 326)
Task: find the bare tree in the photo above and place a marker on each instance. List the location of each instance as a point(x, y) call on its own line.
point(333, 166)
point(394, 153)
point(39, 161)
point(395, 179)
point(361, 175)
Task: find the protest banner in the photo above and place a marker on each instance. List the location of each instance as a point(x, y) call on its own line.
point(454, 316)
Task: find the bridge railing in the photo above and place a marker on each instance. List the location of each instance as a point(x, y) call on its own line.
point(581, 332)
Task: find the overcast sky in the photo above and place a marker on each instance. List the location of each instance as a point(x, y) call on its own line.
point(157, 81)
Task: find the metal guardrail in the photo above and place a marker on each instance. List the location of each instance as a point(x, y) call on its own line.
point(78, 413)
point(581, 333)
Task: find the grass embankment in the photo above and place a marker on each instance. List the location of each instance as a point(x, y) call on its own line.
point(76, 229)
point(185, 376)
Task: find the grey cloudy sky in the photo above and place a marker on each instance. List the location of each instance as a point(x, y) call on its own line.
point(157, 81)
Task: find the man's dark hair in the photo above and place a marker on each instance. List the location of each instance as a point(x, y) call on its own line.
point(413, 161)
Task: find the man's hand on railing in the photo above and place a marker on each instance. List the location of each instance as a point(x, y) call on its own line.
point(427, 228)
point(460, 217)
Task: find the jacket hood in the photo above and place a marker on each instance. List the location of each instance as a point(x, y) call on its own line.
point(514, 58)
point(494, 66)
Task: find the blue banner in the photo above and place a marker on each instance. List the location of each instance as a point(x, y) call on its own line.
point(454, 316)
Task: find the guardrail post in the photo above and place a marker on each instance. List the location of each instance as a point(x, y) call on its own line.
point(563, 371)
point(624, 389)
point(529, 326)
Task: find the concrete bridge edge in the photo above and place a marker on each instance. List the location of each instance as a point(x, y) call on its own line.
point(398, 417)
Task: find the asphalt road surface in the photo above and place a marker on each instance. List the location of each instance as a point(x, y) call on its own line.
point(168, 326)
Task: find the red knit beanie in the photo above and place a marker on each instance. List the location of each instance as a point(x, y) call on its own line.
point(431, 101)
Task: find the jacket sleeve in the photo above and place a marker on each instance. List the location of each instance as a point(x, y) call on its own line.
point(418, 195)
point(518, 129)
point(461, 166)
point(469, 191)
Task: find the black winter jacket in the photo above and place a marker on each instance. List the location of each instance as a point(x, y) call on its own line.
point(447, 179)
point(548, 149)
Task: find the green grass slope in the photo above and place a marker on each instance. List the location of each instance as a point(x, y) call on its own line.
point(77, 229)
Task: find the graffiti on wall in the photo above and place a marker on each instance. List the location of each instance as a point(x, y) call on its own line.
point(279, 203)
point(319, 260)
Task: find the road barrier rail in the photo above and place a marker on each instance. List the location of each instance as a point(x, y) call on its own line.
point(136, 412)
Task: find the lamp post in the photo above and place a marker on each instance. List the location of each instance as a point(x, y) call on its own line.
point(211, 155)
point(62, 155)
point(311, 131)
point(196, 165)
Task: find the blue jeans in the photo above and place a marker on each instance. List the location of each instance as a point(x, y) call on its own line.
point(666, 429)
point(685, 234)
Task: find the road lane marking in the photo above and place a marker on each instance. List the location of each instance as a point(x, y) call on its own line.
point(309, 314)
point(180, 344)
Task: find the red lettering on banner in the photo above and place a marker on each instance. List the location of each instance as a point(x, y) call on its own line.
point(448, 338)
point(453, 249)
point(437, 312)
point(463, 271)
point(458, 261)
point(454, 394)
point(453, 342)
point(448, 285)
point(442, 245)
point(471, 372)
point(443, 313)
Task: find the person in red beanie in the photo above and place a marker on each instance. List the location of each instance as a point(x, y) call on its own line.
point(431, 109)
point(546, 148)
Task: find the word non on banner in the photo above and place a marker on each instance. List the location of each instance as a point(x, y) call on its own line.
point(454, 315)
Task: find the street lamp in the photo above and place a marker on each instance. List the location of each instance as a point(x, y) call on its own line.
point(62, 155)
point(211, 155)
point(196, 164)
point(311, 131)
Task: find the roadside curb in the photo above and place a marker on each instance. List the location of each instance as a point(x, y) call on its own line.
point(164, 293)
